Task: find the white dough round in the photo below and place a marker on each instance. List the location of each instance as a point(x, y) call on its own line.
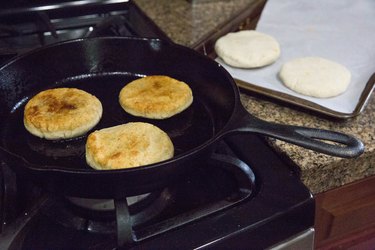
point(247, 49)
point(315, 76)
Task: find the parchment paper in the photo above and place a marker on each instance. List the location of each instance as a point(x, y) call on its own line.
point(342, 31)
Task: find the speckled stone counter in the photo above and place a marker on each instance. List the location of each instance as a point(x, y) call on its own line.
point(187, 24)
point(318, 171)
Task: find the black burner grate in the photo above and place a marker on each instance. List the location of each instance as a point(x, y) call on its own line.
point(25, 28)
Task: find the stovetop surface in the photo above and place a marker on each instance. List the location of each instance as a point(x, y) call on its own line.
point(247, 194)
point(214, 205)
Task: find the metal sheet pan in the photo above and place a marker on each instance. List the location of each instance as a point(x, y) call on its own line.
point(300, 102)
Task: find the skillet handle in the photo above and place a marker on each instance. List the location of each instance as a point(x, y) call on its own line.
point(337, 144)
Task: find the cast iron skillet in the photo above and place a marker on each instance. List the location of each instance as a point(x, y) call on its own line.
point(102, 66)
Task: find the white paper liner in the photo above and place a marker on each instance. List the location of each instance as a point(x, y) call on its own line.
point(342, 31)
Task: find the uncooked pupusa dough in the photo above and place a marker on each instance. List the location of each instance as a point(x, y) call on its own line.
point(315, 76)
point(247, 49)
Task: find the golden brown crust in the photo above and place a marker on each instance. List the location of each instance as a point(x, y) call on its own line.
point(62, 113)
point(129, 145)
point(155, 97)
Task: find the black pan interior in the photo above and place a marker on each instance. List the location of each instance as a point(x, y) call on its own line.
point(102, 67)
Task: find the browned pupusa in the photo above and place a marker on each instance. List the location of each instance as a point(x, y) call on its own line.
point(128, 145)
point(62, 113)
point(155, 97)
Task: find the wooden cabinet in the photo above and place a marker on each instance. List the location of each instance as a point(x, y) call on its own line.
point(345, 217)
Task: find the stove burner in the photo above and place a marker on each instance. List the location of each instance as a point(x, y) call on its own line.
point(104, 204)
point(24, 28)
point(98, 216)
point(112, 26)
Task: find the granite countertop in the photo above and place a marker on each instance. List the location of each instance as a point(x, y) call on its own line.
point(187, 24)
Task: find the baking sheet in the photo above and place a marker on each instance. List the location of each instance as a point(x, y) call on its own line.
point(341, 31)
